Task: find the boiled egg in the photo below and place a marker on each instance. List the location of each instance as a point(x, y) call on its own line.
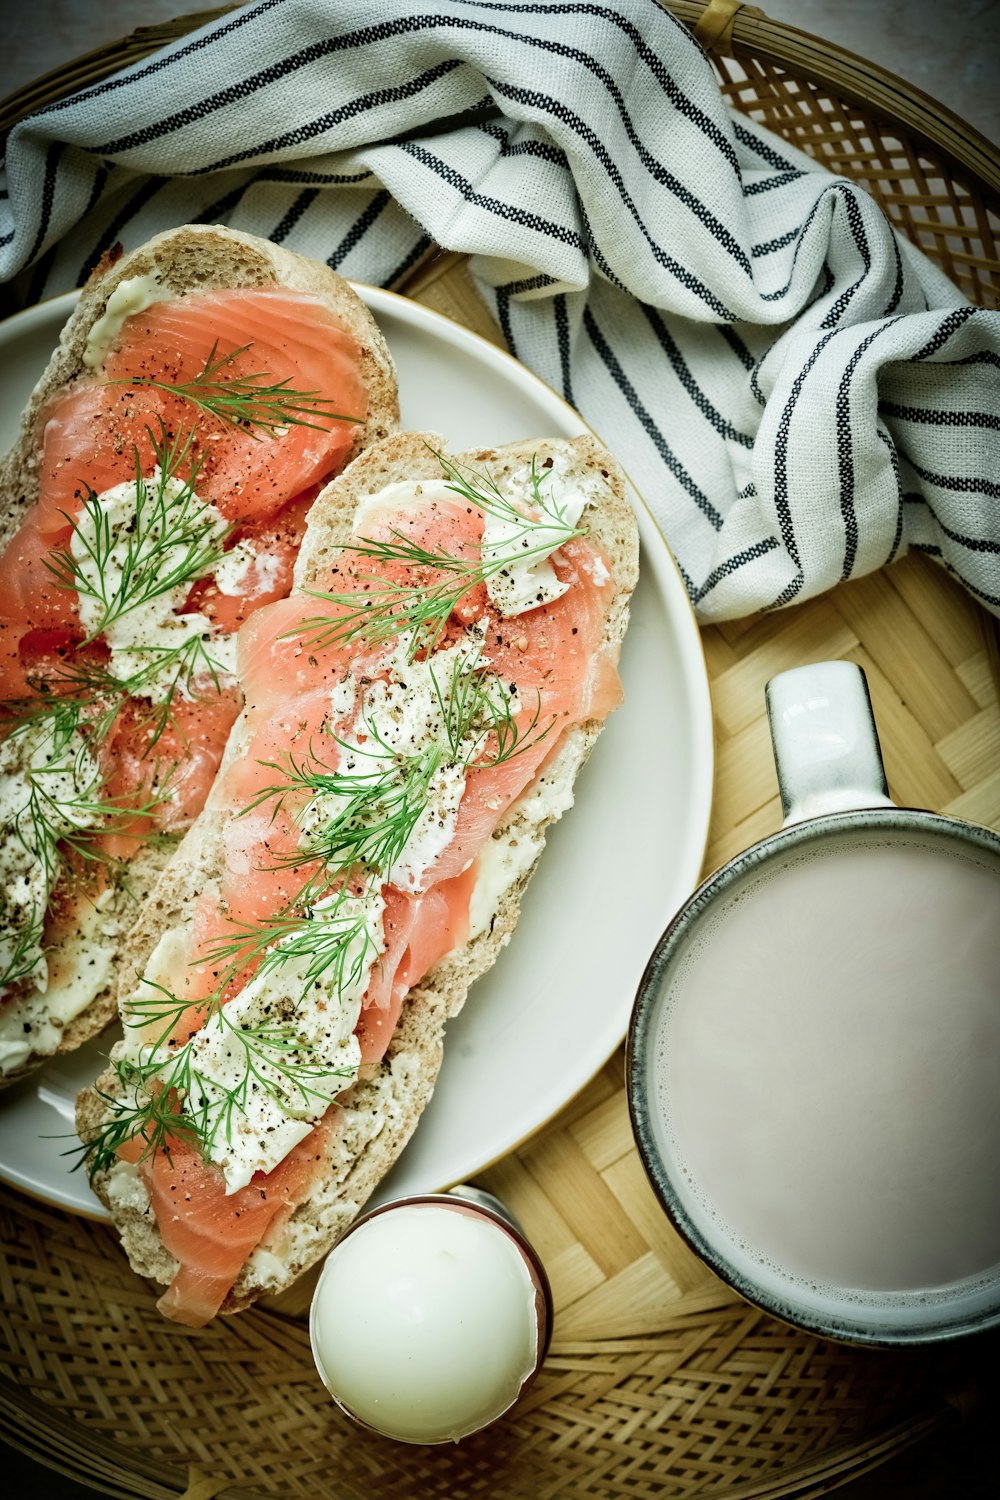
point(428, 1320)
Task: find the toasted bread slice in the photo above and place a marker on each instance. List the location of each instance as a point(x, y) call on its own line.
point(379, 1113)
point(189, 259)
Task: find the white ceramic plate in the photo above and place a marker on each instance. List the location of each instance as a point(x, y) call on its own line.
point(557, 1002)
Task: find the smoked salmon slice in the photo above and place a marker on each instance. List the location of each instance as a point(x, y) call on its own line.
point(212, 1234)
point(265, 335)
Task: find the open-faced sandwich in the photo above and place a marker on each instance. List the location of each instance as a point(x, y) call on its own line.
point(415, 715)
point(203, 390)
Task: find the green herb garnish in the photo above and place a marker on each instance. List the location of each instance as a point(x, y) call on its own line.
point(248, 401)
point(173, 540)
point(366, 817)
point(377, 812)
point(386, 608)
point(22, 961)
point(165, 1095)
point(63, 804)
point(60, 810)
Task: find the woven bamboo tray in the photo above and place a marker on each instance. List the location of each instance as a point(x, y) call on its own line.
point(660, 1382)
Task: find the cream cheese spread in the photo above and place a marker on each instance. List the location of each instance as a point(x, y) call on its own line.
point(520, 536)
point(32, 1023)
point(141, 624)
point(48, 785)
point(312, 1026)
point(233, 571)
point(514, 847)
point(520, 575)
point(133, 295)
point(396, 499)
point(404, 713)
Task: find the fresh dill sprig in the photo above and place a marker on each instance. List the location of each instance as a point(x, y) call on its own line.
point(479, 704)
point(386, 608)
point(54, 819)
point(376, 810)
point(188, 668)
point(164, 1093)
point(62, 804)
point(321, 940)
point(55, 719)
point(173, 669)
point(424, 604)
point(173, 540)
point(480, 488)
point(22, 960)
point(55, 807)
point(96, 701)
point(170, 1099)
point(248, 401)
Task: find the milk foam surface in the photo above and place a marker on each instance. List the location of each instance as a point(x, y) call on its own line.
point(828, 1084)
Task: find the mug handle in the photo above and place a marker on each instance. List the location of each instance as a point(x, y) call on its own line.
point(826, 749)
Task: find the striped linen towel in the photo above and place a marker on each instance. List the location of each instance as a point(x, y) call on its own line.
point(799, 395)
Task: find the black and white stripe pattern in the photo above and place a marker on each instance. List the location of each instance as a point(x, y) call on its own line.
point(800, 396)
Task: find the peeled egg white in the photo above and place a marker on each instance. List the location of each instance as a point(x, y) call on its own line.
point(424, 1323)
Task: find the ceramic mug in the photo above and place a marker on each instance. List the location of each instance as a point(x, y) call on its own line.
point(814, 1053)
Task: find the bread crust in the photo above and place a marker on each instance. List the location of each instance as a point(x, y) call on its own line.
point(189, 259)
point(378, 1114)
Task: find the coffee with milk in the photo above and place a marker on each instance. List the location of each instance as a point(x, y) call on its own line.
point(831, 1096)
point(814, 1054)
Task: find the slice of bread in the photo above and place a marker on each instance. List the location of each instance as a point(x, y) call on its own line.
point(190, 259)
point(379, 1113)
